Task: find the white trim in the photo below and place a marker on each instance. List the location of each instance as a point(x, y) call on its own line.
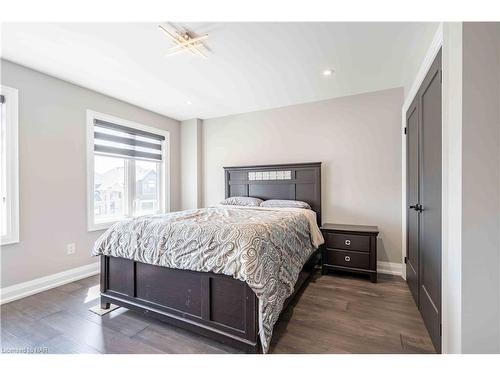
point(92, 227)
point(12, 135)
point(451, 297)
point(28, 288)
point(436, 44)
point(164, 172)
point(390, 268)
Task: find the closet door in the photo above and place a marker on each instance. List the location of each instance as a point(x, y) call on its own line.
point(430, 218)
point(412, 199)
point(424, 164)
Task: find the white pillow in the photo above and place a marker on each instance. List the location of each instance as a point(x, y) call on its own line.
point(242, 201)
point(285, 203)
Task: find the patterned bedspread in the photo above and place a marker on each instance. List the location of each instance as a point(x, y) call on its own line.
point(266, 248)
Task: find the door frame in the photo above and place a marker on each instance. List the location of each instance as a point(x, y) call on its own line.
point(432, 52)
point(416, 108)
point(434, 48)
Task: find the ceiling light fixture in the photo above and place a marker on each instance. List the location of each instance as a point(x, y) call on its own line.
point(328, 72)
point(189, 102)
point(186, 41)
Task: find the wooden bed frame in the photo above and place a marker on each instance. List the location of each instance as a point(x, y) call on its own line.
point(214, 305)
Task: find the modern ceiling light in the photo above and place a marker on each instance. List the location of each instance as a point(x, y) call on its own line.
point(189, 102)
point(328, 72)
point(186, 41)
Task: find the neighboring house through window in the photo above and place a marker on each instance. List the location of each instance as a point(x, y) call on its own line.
point(9, 143)
point(127, 170)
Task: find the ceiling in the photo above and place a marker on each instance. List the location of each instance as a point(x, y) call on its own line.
point(251, 66)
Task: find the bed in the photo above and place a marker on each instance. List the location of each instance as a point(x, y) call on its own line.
point(198, 269)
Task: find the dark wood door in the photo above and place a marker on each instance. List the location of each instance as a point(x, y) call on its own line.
point(424, 165)
point(430, 218)
point(412, 199)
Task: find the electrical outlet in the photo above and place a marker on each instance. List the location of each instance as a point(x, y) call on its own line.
point(70, 249)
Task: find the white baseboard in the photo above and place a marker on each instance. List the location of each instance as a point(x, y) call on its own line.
point(28, 288)
point(390, 268)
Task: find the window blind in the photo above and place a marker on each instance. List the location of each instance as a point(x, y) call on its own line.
point(118, 140)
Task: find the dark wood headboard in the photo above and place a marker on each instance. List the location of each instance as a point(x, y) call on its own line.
point(280, 181)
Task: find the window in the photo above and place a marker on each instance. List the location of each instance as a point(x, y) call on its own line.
point(109, 188)
point(127, 170)
point(9, 218)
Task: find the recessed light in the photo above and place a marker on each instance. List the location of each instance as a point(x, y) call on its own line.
point(189, 102)
point(328, 72)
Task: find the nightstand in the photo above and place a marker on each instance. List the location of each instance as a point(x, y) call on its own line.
point(350, 248)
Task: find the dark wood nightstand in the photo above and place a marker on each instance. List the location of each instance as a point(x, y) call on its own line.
point(350, 248)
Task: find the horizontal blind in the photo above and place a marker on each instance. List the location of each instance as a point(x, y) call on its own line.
point(118, 140)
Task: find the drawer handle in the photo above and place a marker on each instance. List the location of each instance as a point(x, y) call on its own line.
point(347, 258)
point(348, 242)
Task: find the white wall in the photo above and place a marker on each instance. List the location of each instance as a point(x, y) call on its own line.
point(52, 157)
point(480, 188)
point(191, 169)
point(452, 189)
point(471, 152)
point(498, 27)
point(357, 138)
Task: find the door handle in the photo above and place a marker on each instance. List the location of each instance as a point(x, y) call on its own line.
point(417, 207)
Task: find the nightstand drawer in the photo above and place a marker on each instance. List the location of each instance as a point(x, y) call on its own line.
point(347, 242)
point(347, 259)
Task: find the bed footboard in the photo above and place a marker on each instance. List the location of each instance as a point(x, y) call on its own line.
point(216, 306)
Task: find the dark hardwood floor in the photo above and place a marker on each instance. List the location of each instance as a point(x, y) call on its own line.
point(334, 314)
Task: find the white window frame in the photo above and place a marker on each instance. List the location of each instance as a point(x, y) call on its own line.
point(164, 195)
point(12, 135)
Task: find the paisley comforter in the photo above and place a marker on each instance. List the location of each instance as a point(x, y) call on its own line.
point(264, 247)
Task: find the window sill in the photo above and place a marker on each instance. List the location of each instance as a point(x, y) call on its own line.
point(102, 226)
point(94, 227)
point(9, 241)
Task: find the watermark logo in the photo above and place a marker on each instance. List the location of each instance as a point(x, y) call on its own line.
point(26, 350)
